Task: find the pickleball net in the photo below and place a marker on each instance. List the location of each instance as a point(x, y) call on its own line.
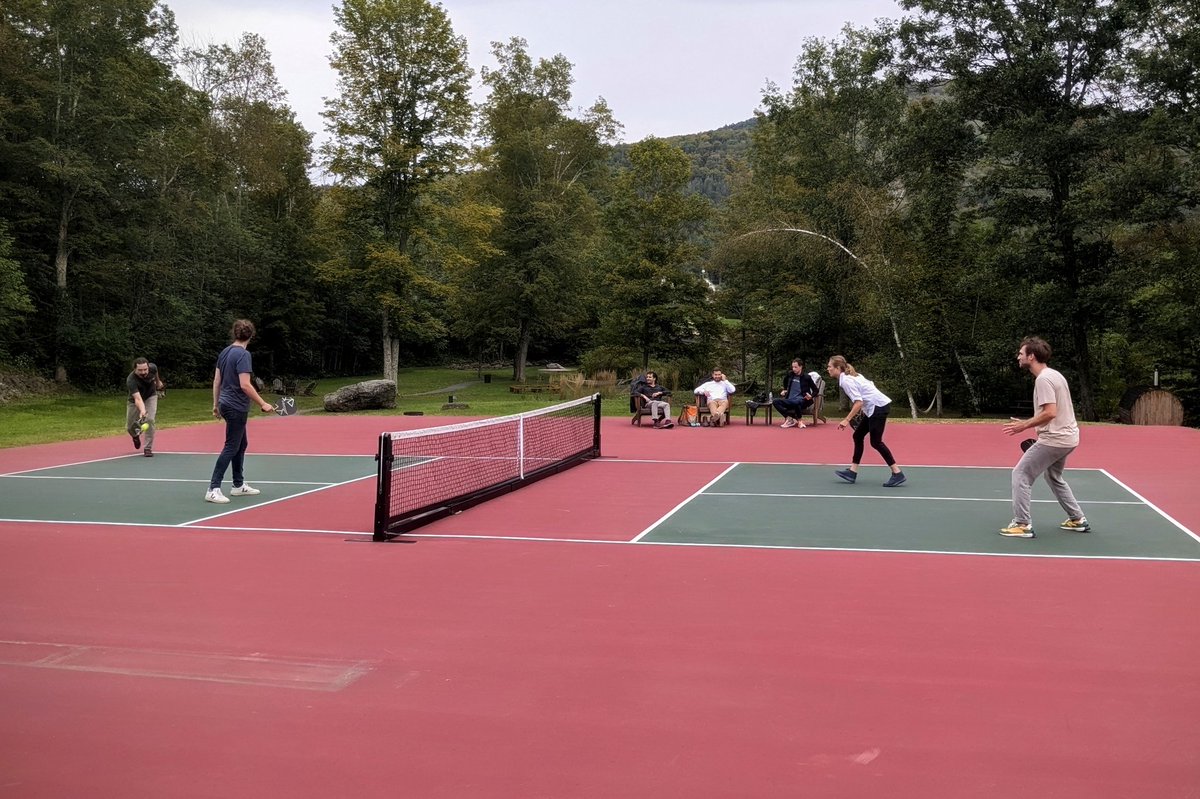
point(427, 474)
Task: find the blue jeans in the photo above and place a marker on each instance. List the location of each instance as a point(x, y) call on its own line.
point(791, 409)
point(235, 447)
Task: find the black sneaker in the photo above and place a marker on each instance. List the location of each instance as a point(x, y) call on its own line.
point(137, 441)
point(895, 480)
point(148, 453)
point(847, 475)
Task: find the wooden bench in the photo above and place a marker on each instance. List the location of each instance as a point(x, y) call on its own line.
point(533, 388)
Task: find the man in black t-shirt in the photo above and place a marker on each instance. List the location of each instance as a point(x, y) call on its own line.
point(142, 387)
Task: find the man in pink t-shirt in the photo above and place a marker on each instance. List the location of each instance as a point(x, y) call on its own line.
point(1058, 436)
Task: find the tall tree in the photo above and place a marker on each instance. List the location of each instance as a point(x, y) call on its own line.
point(836, 271)
point(88, 82)
point(1044, 82)
point(258, 195)
point(14, 297)
point(398, 126)
point(657, 302)
point(540, 164)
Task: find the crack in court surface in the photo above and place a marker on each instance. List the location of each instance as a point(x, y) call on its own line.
point(256, 669)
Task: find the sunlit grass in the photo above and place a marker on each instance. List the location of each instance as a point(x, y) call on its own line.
point(80, 415)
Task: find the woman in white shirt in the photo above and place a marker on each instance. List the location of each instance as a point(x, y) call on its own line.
point(874, 405)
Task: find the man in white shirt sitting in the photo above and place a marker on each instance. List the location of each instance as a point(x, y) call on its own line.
point(717, 392)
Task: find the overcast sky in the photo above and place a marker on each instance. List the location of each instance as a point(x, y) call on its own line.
point(666, 67)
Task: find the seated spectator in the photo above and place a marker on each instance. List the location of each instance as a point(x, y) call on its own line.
point(798, 392)
point(717, 391)
point(656, 397)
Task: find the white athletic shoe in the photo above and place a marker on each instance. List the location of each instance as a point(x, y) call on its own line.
point(215, 495)
point(244, 490)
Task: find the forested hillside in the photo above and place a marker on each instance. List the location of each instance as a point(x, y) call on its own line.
point(716, 156)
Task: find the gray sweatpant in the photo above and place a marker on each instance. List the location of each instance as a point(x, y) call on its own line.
point(1042, 459)
point(131, 417)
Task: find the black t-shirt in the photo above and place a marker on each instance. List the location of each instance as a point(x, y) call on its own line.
point(142, 385)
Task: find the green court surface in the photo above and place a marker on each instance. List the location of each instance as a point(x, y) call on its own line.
point(938, 510)
point(166, 489)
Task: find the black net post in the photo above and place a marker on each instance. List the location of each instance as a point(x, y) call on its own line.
point(383, 488)
point(596, 428)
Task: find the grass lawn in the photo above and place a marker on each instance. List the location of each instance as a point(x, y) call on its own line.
point(77, 415)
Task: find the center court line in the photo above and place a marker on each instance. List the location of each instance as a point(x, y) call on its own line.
point(840, 497)
point(280, 499)
point(680, 506)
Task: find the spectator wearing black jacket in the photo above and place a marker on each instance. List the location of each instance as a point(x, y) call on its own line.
point(798, 392)
point(659, 400)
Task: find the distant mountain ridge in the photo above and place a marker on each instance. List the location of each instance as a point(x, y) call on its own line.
point(715, 154)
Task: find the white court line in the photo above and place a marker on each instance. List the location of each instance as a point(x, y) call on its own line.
point(840, 497)
point(156, 479)
point(1157, 509)
point(606, 459)
point(280, 499)
point(76, 463)
point(611, 542)
point(672, 512)
point(212, 454)
point(161, 526)
point(801, 548)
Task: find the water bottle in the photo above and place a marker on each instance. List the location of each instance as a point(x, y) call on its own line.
point(770, 396)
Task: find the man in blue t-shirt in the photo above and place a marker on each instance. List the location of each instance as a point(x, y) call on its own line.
point(233, 392)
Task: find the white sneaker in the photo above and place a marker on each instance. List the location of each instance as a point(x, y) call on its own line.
point(244, 490)
point(215, 495)
point(789, 422)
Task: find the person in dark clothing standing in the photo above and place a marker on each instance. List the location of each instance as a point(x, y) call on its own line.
point(233, 392)
point(142, 387)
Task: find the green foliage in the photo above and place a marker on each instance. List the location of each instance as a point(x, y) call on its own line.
point(399, 123)
point(718, 157)
point(14, 297)
point(539, 169)
point(657, 303)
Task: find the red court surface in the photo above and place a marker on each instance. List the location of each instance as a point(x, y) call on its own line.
point(482, 660)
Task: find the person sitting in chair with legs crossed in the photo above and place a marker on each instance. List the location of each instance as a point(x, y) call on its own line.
point(798, 392)
point(657, 400)
point(717, 391)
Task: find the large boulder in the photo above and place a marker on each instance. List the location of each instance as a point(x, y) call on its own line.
point(362, 396)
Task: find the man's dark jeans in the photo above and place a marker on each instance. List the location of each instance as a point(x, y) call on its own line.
point(235, 447)
point(791, 409)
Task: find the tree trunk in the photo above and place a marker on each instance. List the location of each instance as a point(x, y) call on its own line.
point(1086, 399)
point(61, 307)
point(391, 351)
point(967, 380)
point(523, 338)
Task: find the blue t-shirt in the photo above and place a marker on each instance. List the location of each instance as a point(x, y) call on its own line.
point(233, 362)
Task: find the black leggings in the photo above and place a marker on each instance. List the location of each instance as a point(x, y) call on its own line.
point(874, 425)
